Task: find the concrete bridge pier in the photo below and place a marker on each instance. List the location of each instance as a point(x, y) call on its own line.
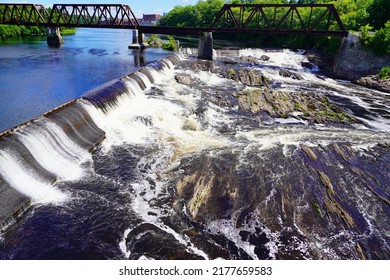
point(138, 41)
point(54, 38)
point(205, 48)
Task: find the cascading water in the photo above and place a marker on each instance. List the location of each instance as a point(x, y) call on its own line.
point(195, 170)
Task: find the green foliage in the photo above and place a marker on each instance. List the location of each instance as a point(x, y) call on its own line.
point(171, 45)
point(15, 31)
point(8, 31)
point(154, 41)
point(379, 42)
point(199, 15)
point(353, 13)
point(379, 13)
point(67, 31)
point(384, 73)
point(365, 36)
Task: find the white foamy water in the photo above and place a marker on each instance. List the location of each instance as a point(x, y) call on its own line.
point(54, 151)
point(27, 182)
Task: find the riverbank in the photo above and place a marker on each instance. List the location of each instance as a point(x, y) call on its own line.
point(326, 64)
point(13, 31)
point(357, 63)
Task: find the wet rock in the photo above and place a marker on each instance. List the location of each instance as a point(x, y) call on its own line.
point(359, 250)
point(249, 59)
point(281, 104)
point(274, 103)
point(253, 78)
point(340, 151)
point(150, 241)
point(255, 187)
point(228, 61)
point(307, 64)
point(319, 60)
point(289, 74)
point(335, 207)
point(184, 79)
point(197, 65)
point(375, 83)
point(211, 189)
point(305, 198)
point(331, 204)
point(191, 232)
point(310, 153)
point(265, 57)
point(326, 182)
point(318, 109)
point(321, 77)
point(247, 76)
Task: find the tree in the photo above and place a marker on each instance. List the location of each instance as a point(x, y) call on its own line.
point(199, 15)
point(379, 13)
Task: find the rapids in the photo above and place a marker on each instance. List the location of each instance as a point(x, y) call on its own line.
point(198, 171)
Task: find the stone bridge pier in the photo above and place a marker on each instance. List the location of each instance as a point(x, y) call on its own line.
point(138, 41)
point(54, 38)
point(205, 47)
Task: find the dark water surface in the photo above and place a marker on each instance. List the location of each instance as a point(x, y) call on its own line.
point(35, 78)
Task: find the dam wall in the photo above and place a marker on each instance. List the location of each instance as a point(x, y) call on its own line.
point(37, 154)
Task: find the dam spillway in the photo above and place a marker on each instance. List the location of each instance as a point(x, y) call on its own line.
point(242, 158)
point(38, 153)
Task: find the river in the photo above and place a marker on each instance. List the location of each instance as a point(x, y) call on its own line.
point(257, 155)
point(35, 78)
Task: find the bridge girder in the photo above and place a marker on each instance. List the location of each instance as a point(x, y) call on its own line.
point(23, 14)
point(93, 15)
point(271, 19)
point(283, 19)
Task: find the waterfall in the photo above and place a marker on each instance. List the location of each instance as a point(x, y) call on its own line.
point(252, 156)
point(55, 146)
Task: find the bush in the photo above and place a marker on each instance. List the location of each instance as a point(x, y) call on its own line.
point(381, 40)
point(171, 45)
point(384, 73)
point(154, 41)
point(365, 36)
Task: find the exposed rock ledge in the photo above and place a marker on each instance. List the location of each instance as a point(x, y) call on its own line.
point(375, 83)
point(261, 98)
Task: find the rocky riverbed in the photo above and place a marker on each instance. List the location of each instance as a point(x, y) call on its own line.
point(256, 155)
point(282, 190)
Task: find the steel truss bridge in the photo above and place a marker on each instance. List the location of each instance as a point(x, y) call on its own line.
point(271, 19)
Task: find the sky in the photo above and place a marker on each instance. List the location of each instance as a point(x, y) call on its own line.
point(139, 7)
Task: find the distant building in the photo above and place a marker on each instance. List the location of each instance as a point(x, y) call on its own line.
point(149, 19)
